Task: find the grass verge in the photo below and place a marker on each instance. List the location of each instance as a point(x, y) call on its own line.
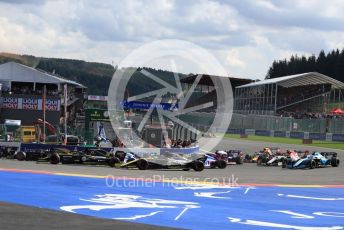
point(293, 141)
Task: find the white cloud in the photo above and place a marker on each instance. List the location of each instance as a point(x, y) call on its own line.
point(246, 36)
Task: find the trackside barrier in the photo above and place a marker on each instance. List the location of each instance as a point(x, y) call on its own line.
point(298, 135)
point(139, 151)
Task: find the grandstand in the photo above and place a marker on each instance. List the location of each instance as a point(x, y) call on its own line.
point(205, 90)
point(306, 92)
point(22, 92)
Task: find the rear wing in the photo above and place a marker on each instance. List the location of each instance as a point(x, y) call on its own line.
point(329, 154)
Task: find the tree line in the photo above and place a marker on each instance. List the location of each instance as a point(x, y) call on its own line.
point(330, 64)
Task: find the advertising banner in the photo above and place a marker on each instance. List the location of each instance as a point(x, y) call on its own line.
point(98, 114)
point(317, 136)
point(29, 104)
point(52, 105)
point(299, 135)
point(250, 131)
point(97, 98)
point(279, 134)
point(147, 105)
point(262, 132)
point(338, 137)
point(10, 103)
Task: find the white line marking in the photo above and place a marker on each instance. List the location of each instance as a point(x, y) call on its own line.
point(180, 214)
point(137, 216)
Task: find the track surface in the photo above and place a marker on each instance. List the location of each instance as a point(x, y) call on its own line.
point(272, 202)
point(243, 174)
point(21, 217)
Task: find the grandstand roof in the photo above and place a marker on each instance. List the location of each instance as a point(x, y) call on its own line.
point(206, 80)
point(13, 71)
point(311, 78)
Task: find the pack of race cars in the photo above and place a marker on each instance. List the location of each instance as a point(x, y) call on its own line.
point(293, 159)
point(290, 159)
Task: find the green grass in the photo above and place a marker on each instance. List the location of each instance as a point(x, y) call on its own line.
point(283, 140)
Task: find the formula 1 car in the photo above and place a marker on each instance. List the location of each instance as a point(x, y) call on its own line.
point(269, 158)
point(8, 152)
point(315, 160)
point(230, 156)
point(89, 156)
point(251, 158)
point(300, 163)
point(213, 160)
point(323, 159)
point(165, 161)
point(235, 157)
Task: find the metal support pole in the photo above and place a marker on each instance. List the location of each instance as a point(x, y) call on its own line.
point(264, 99)
point(43, 104)
point(65, 113)
point(272, 96)
point(339, 97)
point(276, 99)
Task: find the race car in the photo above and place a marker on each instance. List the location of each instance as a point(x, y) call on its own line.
point(269, 158)
point(314, 160)
point(324, 159)
point(301, 163)
point(165, 161)
point(251, 158)
point(235, 157)
point(89, 156)
point(230, 156)
point(213, 160)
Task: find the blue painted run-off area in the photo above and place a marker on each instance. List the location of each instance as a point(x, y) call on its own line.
point(184, 206)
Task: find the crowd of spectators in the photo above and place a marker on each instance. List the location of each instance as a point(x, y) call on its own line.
point(180, 143)
point(289, 95)
point(26, 90)
point(307, 115)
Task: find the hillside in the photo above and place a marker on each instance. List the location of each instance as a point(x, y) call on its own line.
point(95, 76)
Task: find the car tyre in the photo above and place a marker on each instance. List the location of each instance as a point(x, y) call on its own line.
point(312, 164)
point(113, 161)
point(21, 156)
point(334, 162)
point(284, 163)
point(198, 166)
point(259, 161)
point(221, 164)
point(54, 159)
point(239, 161)
point(142, 164)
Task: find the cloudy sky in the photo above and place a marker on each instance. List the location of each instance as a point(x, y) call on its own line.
point(244, 35)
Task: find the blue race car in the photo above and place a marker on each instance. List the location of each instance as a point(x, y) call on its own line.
point(315, 160)
point(212, 160)
point(323, 159)
point(299, 163)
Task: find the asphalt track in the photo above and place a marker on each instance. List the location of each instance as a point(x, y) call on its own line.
point(21, 217)
point(300, 197)
point(242, 174)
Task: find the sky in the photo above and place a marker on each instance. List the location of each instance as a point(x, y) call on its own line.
point(244, 35)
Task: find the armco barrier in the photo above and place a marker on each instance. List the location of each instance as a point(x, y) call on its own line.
point(317, 136)
point(287, 134)
point(236, 131)
point(279, 134)
point(180, 150)
point(338, 137)
point(299, 135)
point(139, 151)
point(43, 147)
point(263, 132)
